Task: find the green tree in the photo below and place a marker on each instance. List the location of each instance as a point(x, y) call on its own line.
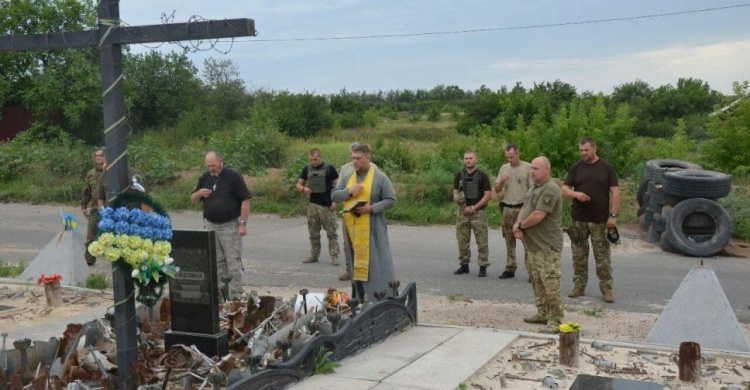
point(158, 88)
point(224, 89)
point(729, 134)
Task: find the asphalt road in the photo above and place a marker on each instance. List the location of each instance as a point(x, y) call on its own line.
point(645, 277)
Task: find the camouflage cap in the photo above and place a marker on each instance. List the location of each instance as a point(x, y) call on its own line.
point(613, 235)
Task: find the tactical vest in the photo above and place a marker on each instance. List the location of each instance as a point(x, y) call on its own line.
point(316, 178)
point(471, 185)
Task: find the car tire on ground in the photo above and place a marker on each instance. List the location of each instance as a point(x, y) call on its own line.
point(640, 210)
point(641, 193)
point(648, 216)
point(697, 184)
point(656, 168)
point(654, 205)
point(694, 244)
point(654, 234)
point(656, 192)
point(643, 224)
point(659, 222)
point(667, 246)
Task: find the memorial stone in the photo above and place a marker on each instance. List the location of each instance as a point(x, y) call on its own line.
point(194, 294)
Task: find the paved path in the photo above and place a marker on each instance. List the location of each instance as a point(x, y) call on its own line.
point(645, 277)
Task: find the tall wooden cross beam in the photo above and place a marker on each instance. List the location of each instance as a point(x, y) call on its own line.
point(109, 37)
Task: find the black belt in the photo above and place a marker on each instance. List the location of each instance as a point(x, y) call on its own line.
point(513, 206)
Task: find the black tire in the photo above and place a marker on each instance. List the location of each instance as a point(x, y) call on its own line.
point(690, 244)
point(643, 224)
point(648, 216)
point(641, 193)
point(659, 222)
point(654, 234)
point(657, 193)
point(667, 246)
point(666, 212)
point(640, 211)
point(697, 184)
point(656, 168)
point(654, 205)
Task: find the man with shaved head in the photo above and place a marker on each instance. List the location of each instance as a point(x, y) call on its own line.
point(540, 227)
point(226, 207)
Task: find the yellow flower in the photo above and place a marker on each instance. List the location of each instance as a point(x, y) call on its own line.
point(147, 245)
point(162, 249)
point(112, 254)
point(96, 249)
point(135, 242)
point(122, 241)
point(570, 327)
point(107, 239)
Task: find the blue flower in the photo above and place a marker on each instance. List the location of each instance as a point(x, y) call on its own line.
point(147, 232)
point(167, 234)
point(106, 225)
point(121, 214)
point(106, 213)
point(122, 227)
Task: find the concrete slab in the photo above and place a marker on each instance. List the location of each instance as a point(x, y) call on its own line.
point(332, 382)
point(452, 362)
point(699, 311)
point(390, 386)
point(383, 360)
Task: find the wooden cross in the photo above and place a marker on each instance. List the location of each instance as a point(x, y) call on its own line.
point(109, 37)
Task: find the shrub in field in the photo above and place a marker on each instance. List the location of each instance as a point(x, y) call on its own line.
point(393, 155)
point(371, 118)
point(737, 205)
point(251, 149)
point(155, 163)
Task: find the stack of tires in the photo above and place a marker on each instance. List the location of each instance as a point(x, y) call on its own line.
point(678, 207)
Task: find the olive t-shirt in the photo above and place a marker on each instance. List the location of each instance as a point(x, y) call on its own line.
point(518, 184)
point(547, 234)
point(593, 180)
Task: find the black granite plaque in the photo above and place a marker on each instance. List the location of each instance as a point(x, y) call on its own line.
point(591, 382)
point(194, 293)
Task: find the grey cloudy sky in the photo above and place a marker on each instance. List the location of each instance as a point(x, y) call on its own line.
point(713, 46)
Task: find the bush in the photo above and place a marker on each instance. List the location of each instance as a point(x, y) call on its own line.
point(393, 156)
point(98, 281)
point(153, 161)
point(251, 149)
point(301, 115)
point(370, 118)
point(11, 271)
point(737, 205)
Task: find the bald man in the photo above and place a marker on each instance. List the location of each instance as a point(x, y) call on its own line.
point(540, 227)
point(226, 207)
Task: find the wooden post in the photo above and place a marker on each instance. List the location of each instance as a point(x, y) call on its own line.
point(53, 293)
point(569, 346)
point(690, 361)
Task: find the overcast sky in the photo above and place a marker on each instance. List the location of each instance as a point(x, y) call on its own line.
point(713, 46)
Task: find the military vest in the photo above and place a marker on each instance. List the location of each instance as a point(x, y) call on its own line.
point(471, 185)
point(316, 178)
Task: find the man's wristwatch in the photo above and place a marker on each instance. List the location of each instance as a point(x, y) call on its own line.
point(243, 222)
point(613, 215)
point(518, 225)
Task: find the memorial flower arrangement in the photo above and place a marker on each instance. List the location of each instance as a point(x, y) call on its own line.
point(570, 327)
point(138, 242)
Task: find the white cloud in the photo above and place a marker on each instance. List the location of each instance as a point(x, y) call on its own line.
point(718, 64)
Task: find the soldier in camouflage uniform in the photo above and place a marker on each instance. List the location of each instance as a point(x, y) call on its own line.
point(589, 183)
point(540, 226)
point(89, 201)
point(513, 182)
point(317, 180)
point(472, 192)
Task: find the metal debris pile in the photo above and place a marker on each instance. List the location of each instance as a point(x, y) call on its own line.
point(534, 363)
point(263, 331)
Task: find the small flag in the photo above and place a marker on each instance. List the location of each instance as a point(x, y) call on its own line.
point(70, 223)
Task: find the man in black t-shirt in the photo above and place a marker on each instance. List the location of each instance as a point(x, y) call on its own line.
point(226, 207)
point(589, 183)
point(317, 180)
point(471, 191)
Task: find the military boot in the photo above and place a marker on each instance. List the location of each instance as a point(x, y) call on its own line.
point(463, 269)
point(552, 328)
point(578, 291)
point(334, 261)
point(482, 271)
point(344, 275)
point(310, 259)
point(536, 319)
point(608, 297)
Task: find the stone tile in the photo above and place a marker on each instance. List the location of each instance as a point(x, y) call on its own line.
point(382, 360)
point(332, 382)
point(452, 362)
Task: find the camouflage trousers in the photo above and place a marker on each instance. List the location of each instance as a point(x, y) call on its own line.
point(579, 233)
point(322, 217)
point(465, 224)
point(228, 252)
point(92, 232)
point(510, 215)
point(545, 280)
